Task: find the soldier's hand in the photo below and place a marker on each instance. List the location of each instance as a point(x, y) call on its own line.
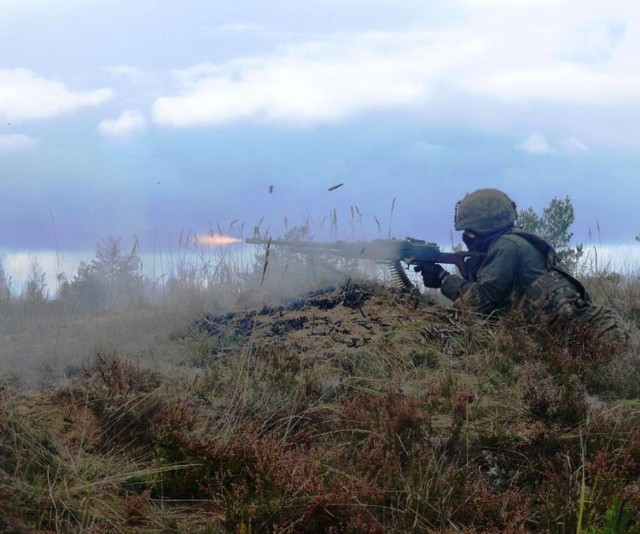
point(432, 274)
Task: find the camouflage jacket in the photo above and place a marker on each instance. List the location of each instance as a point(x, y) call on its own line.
point(521, 269)
point(514, 265)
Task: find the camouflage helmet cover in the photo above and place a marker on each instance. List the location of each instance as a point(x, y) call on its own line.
point(485, 211)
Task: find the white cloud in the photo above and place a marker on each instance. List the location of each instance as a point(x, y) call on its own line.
point(536, 144)
point(571, 145)
point(560, 82)
point(139, 81)
point(597, 42)
point(511, 53)
point(540, 145)
point(127, 71)
point(555, 53)
point(315, 82)
point(25, 95)
point(130, 122)
point(16, 142)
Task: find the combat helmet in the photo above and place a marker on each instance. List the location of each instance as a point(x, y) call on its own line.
point(485, 211)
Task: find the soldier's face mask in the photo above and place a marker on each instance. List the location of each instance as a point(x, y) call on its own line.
point(469, 239)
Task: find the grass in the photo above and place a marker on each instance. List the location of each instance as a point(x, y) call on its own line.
point(310, 415)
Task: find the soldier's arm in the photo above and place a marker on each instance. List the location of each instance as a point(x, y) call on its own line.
point(494, 282)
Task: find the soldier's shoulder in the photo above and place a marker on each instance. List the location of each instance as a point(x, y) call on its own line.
point(516, 240)
point(529, 245)
point(512, 239)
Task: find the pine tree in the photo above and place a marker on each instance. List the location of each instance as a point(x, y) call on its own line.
point(553, 226)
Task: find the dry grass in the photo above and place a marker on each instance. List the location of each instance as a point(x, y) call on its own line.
point(350, 410)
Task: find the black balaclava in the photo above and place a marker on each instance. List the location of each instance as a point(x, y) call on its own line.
point(481, 242)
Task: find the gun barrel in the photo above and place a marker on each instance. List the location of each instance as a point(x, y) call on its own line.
point(383, 250)
point(338, 248)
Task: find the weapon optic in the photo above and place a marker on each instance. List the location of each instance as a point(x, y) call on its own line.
point(392, 252)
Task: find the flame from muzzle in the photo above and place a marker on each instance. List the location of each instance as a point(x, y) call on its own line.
point(216, 240)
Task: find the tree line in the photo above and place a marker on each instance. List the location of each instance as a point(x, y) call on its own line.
point(111, 280)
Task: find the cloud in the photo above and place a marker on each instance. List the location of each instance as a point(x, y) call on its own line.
point(126, 71)
point(554, 53)
point(571, 145)
point(597, 42)
point(556, 82)
point(137, 80)
point(511, 53)
point(16, 143)
point(25, 96)
point(536, 144)
point(130, 122)
point(540, 145)
point(317, 82)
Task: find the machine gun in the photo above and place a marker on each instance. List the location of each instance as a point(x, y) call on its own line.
point(391, 252)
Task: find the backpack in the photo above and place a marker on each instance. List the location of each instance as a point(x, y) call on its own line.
point(555, 292)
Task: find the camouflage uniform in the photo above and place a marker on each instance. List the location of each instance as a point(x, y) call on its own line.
point(519, 269)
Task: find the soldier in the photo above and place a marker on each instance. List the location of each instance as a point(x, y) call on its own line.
point(516, 269)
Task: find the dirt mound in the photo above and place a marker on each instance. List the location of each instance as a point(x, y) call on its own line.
point(333, 319)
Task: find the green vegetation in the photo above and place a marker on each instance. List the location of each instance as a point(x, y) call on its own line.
point(111, 281)
point(554, 226)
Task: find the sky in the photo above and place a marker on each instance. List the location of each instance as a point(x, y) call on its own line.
point(158, 119)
